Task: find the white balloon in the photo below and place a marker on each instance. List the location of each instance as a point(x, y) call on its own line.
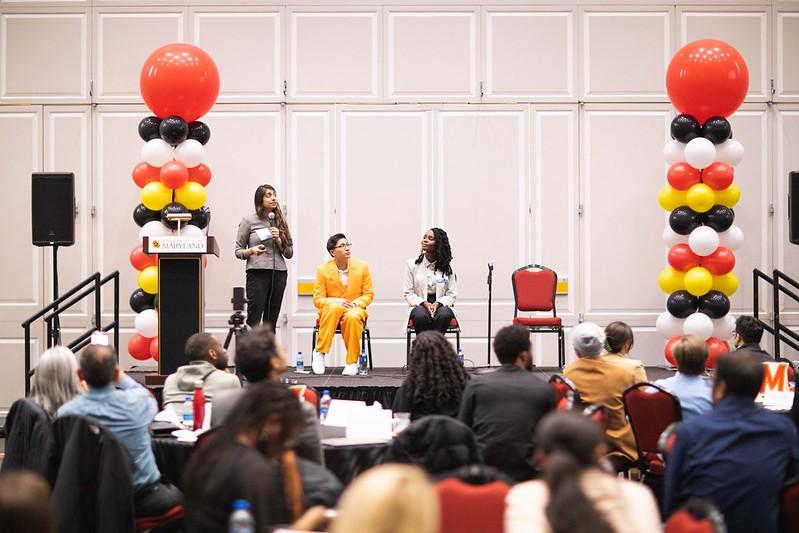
point(669, 325)
point(674, 152)
point(698, 324)
point(671, 237)
point(703, 240)
point(730, 152)
point(191, 231)
point(723, 327)
point(190, 152)
point(700, 152)
point(157, 152)
point(146, 323)
point(733, 238)
point(154, 228)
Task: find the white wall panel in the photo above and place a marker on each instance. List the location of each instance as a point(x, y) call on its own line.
point(44, 56)
point(787, 160)
point(529, 54)
point(626, 53)
point(432, 55)
point(12, 353)
point(787, 56)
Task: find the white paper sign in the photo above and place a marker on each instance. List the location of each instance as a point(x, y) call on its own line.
point(264, 234)
point(174, 244)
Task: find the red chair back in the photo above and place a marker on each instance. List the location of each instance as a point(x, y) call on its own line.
point(561, 386)
point(650, 410)
point(471, 508)
point(695, 516)
point(790, 507)
point(534, 288)
point(599, 414)
point(310, 397)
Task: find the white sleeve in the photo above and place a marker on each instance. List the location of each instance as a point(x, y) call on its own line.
point(411, 297)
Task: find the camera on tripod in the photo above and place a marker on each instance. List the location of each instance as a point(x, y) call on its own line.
point(237, 319)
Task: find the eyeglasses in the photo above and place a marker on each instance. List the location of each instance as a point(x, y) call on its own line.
point(345, 246)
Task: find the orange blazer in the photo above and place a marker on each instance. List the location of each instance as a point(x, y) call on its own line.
point(359, 287)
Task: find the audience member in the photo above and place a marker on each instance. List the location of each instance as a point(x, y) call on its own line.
point(55, 381)
point(601, 381)
point(389, 499)
point(689, 385)
point(207, 362)
point(503, 407)
point(25, 504)
point(576, 495)
point(247, 458)
point(118, 403)
point(737, 456)
point(747, 335)
point(435, 381)
point(619, 341)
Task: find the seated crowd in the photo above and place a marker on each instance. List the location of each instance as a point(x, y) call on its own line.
point(566, 472)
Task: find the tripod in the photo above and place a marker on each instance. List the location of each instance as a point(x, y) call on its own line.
point(237, 327)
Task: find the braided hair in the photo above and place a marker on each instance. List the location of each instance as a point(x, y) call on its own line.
point(435, 376)
point(443, 252)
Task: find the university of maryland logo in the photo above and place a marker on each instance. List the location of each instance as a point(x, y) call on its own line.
point(156, 244)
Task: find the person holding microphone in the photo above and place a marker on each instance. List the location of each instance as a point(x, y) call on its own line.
point(264, 241)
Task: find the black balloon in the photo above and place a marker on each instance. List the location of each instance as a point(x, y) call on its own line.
point(684, 220)
point(684, 128)
point(718, 217)
point(174, 130)
point(200, 217)
point(172, 209)
point(716, 130)
point(199, 131)
point(140, 300)
point(148, 128)
point(682, 304)
point(714, 304)
point(142, 215)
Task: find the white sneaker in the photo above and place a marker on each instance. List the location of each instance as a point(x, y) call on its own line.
point(350, 370)
point(318, 363)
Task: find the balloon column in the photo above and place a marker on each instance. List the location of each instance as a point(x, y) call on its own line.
point(179, 83)
point(707, 81)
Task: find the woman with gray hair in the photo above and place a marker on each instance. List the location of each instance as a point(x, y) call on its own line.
point(55, 381)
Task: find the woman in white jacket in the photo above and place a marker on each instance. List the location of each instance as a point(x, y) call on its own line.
point(430, 284)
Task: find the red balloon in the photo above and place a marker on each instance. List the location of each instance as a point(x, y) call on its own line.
point(154, 348)
point(144, 174)
point(179, 79)
point(707, 78)
point(683, 176)
point(720, 262)
point(669, 346)
point(718, 176)
point(201, 174)
point(715, 348)
point(682, 258)
point(174, 174)
point(141, 260)
point(139, 347)
point(205, 261)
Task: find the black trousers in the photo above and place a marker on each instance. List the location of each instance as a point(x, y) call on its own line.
point(422, 321)
point(156, 499)
point(265, 290)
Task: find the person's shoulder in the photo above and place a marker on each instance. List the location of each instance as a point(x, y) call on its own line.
point(358, 263)
point(527, 491)
point(72, 407)
point(411, 263)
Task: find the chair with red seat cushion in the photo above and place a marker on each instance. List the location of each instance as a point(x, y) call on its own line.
point(453, 327)
point(789, 507)
point(696, 516)
point(366, 339)
point(534, 289)
point(650, 410)
point(599, 414)
point(471, 508)
point(561, 387)
point(310, 397)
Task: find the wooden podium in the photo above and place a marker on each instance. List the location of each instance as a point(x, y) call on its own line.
point(181, 293)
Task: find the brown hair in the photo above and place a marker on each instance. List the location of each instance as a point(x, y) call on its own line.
point(25, 503)
point(617, 335)
point(280, 220)
point(691, 355)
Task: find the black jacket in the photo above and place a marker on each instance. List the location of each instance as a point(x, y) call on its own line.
point(437, 444)
point(27, 437)
point(755, 348)
point(404, 403)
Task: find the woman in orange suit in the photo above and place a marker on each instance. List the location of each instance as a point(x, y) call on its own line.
point(341, 293)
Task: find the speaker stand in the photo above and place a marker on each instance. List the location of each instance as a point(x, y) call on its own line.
point(56, 320)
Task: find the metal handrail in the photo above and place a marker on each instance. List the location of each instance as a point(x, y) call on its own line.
point(780, 332)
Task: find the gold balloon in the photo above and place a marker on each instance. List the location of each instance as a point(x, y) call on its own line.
point(155, 195)
point(728, 283)
point(671, 280)
point(148, 280)
point(698, 281)
point(192, 195)
point(700, 197)
point(729, 197)
point(670, 198)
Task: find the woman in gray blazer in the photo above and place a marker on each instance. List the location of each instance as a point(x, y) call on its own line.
point(430, 284)
point(264, 241)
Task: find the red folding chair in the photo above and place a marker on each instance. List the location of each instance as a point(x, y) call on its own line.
point(650, 410)
point(534, 289)
point(366, 339)
point(696, 516)
point(310, 397)
point(453, 327)
point(599, 414)
point(789, 507)
point(471, 508)
point(561, 387)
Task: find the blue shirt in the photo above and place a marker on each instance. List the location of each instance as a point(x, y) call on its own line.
point(127, 412)
point(694, 393)
point(737, 456)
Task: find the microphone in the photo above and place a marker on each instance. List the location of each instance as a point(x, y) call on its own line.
point(271, 217)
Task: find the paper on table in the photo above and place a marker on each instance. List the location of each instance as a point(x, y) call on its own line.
point(340, 411)
point(370, 423)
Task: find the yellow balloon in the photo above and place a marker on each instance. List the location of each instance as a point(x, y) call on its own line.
point(728, 283)
point(700, 197)
point(148, 280)
point(192, 195)
point(729, 196)
point(671, 280)
point(698, 281)
point(670, 198)
point(155, 195)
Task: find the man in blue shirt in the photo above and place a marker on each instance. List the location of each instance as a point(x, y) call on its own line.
point(738, 455)
point(688, 384)
point(125, 408)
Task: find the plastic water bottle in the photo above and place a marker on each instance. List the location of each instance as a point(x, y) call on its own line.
point(363, 368)
point(241, 520)
point(324, 404)
point(188, 413)
point(460, 356)
point(300, 363)
point(198, 405)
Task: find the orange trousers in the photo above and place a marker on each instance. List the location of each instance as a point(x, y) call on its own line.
point(352, 323)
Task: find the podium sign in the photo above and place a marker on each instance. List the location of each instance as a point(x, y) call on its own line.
point(181, 293)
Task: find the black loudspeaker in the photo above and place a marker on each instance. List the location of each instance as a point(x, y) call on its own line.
point(53, 208)
point(793, 207)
